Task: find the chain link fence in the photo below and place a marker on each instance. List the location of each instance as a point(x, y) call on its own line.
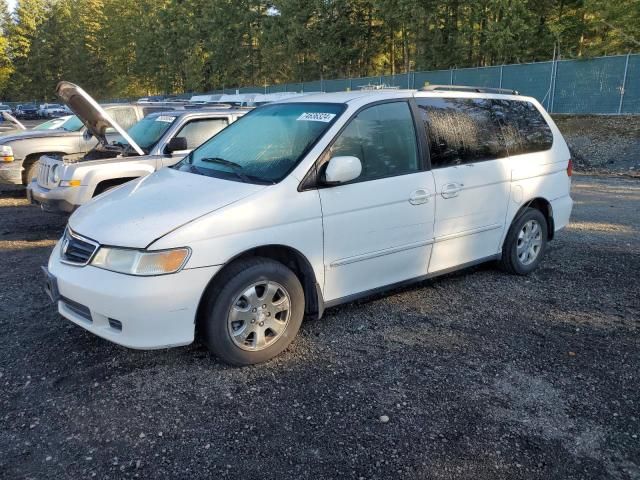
point(602, 85)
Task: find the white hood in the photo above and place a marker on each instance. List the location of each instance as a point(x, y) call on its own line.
point(141, 211)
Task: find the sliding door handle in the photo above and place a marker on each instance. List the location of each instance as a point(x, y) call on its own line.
point(451, 190)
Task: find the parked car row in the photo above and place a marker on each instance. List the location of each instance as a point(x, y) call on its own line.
point(158, 140)
point(72, 138)
point(291, 208)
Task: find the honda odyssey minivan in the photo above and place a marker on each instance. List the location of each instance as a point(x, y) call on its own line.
point(308, 203)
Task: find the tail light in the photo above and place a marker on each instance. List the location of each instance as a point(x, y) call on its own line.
point(570, 168)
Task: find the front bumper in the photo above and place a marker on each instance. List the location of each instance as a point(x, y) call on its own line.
point(152, 312)
point(58, 200)
point(11, 172)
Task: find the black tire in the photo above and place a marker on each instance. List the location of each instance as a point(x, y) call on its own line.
point(30, 172)
point(214, 327)
point(510, 261)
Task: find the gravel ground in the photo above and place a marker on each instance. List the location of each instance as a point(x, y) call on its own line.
point(603, 143)
point(476, 375)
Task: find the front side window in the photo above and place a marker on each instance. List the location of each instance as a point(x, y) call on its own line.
point(461, 131)
point(264, 145)
point(523, 127)
point(148, 131)
point(383, 137)
point(197, 131)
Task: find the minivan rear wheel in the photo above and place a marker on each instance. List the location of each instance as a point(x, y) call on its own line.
point(525, 243)
point(252, 311)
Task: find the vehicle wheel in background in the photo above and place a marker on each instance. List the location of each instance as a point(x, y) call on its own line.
point(252, 312)
point(30, 172)
point(525, 243)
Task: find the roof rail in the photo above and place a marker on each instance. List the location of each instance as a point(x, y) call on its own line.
point(462, 88)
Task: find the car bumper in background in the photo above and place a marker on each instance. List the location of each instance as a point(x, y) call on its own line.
point(11, 172)
point(136, 312)
point(59, 200)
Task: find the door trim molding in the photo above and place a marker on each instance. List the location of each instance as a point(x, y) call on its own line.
point(464, 233)
point(384, 288)
point(379, 253)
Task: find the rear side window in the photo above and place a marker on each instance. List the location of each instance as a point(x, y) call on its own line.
point(383, 138)
point(197, 131)
point(523, 127)
point(461, 131)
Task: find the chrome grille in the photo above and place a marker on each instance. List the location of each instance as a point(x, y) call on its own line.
point(43, 174)
point(75, 249)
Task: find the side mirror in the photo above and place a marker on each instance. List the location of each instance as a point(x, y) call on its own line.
point(342, 170)
point(177, 144)
point(86, 135)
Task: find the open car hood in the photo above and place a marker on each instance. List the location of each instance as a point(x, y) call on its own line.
point(94, 117)
point(10, 118)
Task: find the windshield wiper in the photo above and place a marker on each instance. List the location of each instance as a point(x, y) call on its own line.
point(235, 167)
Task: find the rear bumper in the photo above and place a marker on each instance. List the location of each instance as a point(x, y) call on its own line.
point(561, 208)
point(136, 312)
point(11, 172)
point(57, 200)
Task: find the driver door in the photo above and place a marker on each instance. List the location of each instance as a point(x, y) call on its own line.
point(378, 229)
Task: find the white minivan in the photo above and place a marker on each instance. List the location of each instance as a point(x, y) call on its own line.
point(309, 203)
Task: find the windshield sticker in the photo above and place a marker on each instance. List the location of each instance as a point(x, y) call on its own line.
point(316, 117)
point(165, 118)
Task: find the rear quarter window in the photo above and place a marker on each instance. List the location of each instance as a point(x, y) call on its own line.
point(523, 127)
point(124, 116)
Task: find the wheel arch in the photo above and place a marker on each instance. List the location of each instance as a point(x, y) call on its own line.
point(544, 206)
point(291, 258)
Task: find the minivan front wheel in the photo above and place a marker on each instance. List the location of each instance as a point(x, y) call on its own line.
point(252, 312)
point(526, 243)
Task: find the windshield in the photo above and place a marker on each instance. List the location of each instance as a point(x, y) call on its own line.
point(51, 124)
point(148, 131)
point(264, 145)
point(72, 125)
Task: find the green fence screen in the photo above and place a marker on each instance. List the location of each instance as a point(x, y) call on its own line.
point(602, 85)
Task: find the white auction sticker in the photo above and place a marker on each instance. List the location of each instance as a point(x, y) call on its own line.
point(165, 118)
point(316, 117)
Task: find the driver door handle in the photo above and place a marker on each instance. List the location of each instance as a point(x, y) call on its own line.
point(451, 190)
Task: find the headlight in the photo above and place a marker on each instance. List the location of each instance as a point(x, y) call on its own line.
point(137, 262)
point(54, 174)
point(6, 153)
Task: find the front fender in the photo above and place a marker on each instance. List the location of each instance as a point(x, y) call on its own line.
point(92, 176)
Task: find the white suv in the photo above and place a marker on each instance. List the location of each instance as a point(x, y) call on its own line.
point(309, 203)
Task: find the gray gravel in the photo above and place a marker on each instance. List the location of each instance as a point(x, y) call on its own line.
point(477, 375)
point(603, 143)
